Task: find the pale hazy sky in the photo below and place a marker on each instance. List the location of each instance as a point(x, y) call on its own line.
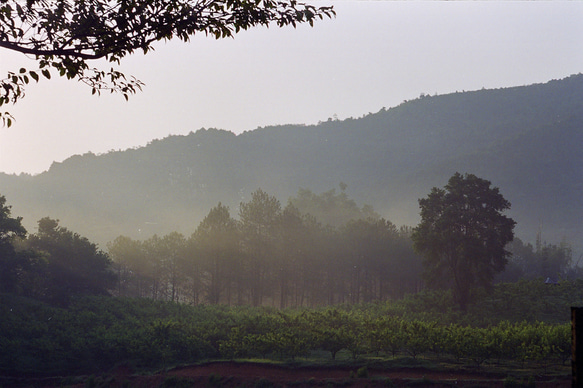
point(374, 54)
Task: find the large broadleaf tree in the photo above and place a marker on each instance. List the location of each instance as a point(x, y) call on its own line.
point(463, 235)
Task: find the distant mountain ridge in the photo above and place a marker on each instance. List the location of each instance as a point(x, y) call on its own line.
point(527, 140)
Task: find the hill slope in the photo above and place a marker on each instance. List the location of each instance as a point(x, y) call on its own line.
point(526, 140)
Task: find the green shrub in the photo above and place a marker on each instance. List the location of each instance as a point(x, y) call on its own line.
point(510, 382)
point(263, 383)
point(529, 382)
point(362, 372)
point(215, 380)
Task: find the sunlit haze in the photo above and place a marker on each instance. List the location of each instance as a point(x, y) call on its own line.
point(374, 54)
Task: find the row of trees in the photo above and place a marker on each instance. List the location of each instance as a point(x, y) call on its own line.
point(270, 255)
point(551, 262)
point(283, 256)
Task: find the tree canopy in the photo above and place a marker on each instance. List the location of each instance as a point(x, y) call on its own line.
point(463, 234)
point(271, 255)
point(65, 34)
point(331, 208)
point(10, 229)
point(74, 264)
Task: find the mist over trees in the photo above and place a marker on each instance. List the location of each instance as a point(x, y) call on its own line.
point(73, 264)
point(183, 219)
point(52, 265)
point(283, 257)
point(269, 255)
point(549, 261)
point(523, 139)
point(357, 274)
point(272, 255)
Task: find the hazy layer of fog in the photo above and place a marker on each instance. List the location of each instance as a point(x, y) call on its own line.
point(373, 54)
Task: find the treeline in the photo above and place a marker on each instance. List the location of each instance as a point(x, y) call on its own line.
point(96, 333)
point(551, 262)
point(51, 265)
point(274, 255)
point(271, 255)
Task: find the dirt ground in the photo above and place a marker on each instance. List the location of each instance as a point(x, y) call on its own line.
point(251, 375)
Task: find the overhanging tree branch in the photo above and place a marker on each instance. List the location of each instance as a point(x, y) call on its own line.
point(47, 53)
point(64, 34)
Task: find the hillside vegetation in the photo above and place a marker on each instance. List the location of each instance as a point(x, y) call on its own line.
point(525, 140)
point(94, 334)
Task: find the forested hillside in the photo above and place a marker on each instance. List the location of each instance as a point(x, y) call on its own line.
point(525, 140)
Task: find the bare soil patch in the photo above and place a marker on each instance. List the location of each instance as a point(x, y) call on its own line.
point(255, 375)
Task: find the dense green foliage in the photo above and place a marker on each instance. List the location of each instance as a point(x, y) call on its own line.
point(96, 333)
point(528, 300)
point(73, 264)
point(526, 140)
point(51, 265)
point(463, 235)
point(270, 256)
point(78, 334)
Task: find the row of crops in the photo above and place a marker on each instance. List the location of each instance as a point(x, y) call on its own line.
point(97, 333)
point(333, 331)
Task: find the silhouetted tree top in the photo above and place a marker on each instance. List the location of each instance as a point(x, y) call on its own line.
point(76, 266)
point(65, 34)
point(463, 234)
point(10, 229)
